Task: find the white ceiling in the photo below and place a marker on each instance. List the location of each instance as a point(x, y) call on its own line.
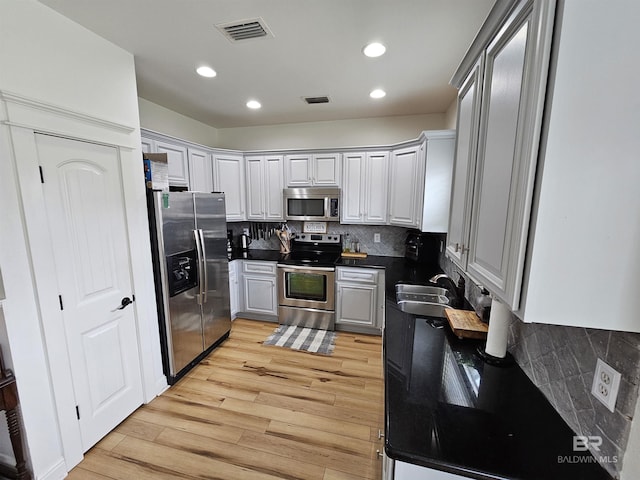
point(316, 49)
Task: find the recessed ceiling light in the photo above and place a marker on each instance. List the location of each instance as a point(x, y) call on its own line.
point(206, 71)
point(377, 93)
point(374, 49)
point(253, 104)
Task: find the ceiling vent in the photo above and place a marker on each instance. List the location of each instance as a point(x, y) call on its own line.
point(314, 100)
point(245, 29)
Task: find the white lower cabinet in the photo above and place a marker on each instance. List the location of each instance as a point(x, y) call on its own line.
point(234, 293)
point(360, 299)
point(409, 471)
point(260, 294)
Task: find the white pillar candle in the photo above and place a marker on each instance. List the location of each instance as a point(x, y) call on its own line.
point(498, 329)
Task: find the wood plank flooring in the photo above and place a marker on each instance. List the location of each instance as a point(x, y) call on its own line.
point(250, 411)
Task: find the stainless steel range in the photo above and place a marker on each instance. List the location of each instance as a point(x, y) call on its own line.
point(306, 281)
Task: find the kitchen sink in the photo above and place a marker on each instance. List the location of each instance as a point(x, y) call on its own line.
point(427, 300)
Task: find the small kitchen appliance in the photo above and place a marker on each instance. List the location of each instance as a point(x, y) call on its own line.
point(423, 247)
point(312, 204)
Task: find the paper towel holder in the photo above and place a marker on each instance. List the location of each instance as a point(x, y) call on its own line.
point(497, 336)
point(505, 361)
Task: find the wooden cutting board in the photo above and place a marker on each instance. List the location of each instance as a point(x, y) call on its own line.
point(354, 254)
point(466, 324)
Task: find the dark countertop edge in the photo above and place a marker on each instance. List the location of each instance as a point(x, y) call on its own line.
point(454, 469)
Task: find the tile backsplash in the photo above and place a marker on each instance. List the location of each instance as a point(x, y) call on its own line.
point(561, 363)
point(391, 238)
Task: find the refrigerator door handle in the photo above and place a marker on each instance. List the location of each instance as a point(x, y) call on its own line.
point(205, 288)
point(200, 265)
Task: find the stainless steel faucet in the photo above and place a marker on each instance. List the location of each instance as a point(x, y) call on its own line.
point(456, 289)
point(437, 277)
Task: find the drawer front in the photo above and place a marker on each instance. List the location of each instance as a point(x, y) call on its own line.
point(354, 274)
point(266, 268)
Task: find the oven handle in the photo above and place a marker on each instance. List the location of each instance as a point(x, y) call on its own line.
point(315, 269)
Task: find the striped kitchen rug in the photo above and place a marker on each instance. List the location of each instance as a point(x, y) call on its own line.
point(303, 339)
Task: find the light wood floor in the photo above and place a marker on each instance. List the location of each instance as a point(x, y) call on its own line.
point(251, 411)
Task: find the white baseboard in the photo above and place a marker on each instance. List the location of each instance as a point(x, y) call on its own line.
point(58, 471)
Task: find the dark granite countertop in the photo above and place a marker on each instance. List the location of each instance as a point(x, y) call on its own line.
point(447, 409)
point(263, 255)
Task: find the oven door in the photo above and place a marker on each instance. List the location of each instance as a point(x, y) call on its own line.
point(306, 287)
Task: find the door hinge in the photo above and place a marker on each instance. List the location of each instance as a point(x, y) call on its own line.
point(41, 174)
point(78, 412)
point(60, 300)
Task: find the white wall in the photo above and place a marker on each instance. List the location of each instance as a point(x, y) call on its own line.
point(44, 57)
point(451, 115)
point(162, 120)
point(330, 134)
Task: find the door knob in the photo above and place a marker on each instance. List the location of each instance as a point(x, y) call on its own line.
point(124, 302)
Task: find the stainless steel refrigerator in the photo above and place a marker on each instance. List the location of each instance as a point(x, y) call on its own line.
point(191, 270)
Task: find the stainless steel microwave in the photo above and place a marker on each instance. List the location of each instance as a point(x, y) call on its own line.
point(313, 203)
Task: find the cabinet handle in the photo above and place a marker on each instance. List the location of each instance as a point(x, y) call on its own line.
point(380, 434)
point(379, 453)
point(461, 248)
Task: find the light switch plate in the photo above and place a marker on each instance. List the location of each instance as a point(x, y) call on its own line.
point(606, 382)
point(376, 238)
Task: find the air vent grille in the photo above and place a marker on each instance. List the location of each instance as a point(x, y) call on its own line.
point(314, 100)
point(245, 29)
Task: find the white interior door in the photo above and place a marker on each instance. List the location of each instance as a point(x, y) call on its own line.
point(85, 210)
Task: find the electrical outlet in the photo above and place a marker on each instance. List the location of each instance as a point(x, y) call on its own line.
point(376, 238)
point(606, 382)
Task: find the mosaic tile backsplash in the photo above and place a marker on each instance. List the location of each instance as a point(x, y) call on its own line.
point(561, 362)
point(391, 238)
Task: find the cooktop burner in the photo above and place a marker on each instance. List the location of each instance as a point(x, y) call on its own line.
point(318, 250)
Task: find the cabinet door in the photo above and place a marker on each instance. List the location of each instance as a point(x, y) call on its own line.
point(260, 295)
point(200, 171)
point(298, 172)
point(464, 166)
point(357, 304)
point(376, 188)
point(352, 188)
point(326, 169)
point(228, 177)
point(499, 164)
point(255, 188)
point(233, 288)
point(274, 183)
point(147, 145)
point(406, 182)
point(178, 163)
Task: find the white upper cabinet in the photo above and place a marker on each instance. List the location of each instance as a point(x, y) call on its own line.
point(406, 186)
point(586, 225)
point(464, 166)
point(229, 177)
point(307, 170)
point(265, 180)
point(147, 145)
point(503, 170)
point(440, 148)
point(178, 162)
point(365, 183)
point(200, 171)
